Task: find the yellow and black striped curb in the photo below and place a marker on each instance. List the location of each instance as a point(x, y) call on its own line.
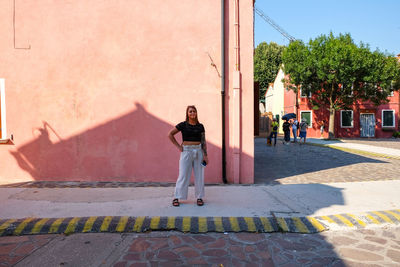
point(119, 224)
point(362, 220)
point(356, 151)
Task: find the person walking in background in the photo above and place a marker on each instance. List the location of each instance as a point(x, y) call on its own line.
point(274, 131)
point(303, 130)
point(193, 156)
point(322, 128)
point(295, 125)
point(286, 131)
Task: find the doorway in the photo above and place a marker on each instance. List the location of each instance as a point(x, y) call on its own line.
point(367, 125)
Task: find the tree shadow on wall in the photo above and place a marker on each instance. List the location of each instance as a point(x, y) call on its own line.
point(133, 147)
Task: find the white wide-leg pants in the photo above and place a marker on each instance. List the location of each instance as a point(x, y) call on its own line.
point(191, 158)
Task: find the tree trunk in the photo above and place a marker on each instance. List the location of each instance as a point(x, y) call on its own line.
point(331, 122)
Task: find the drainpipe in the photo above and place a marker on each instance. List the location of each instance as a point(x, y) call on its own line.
point(236, 131)
point(223, 90)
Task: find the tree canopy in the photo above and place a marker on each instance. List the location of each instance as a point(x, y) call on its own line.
point(338, 72)
point(267, 60)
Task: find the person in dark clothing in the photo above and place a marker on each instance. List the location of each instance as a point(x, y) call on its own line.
point(286, 131)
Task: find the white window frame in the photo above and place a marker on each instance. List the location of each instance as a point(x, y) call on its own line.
point(391, 89)
point(375, 86)
point(351, 89)
point(3, 134)
point(301, 93)
point(311, 115)
point(394, 119)
point(341, 119)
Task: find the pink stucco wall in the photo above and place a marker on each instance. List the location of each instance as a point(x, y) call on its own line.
point(104, 81)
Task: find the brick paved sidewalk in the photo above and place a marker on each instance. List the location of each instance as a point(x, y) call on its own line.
point(372, 247)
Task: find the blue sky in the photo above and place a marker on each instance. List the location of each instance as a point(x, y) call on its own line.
point(375, 22)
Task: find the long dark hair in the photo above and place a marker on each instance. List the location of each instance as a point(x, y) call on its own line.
point(187, 116)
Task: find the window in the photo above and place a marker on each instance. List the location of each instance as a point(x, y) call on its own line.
point(388, 118)
point(370, 88)
point(304, 94)
point(344, 89)
point(3, 132)
point(391, 89)
point(346, 118)
point(307, 115)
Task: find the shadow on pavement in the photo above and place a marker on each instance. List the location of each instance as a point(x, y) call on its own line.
point(283, 161)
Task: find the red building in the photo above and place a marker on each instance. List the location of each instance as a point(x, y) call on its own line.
point(364, 119)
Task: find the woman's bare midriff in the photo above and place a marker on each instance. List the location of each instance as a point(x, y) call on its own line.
point(190, 143)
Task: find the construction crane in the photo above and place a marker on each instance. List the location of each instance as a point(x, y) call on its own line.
point(273, 24)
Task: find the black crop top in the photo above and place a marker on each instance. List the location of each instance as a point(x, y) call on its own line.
point(190, 132)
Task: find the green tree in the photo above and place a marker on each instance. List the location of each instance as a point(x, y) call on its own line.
point(267, 60)
point(338, 73)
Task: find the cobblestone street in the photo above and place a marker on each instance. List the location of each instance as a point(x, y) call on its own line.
point(302, 163)
point(367, 247)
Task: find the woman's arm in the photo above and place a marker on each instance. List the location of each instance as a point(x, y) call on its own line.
point(171, 137)
point(204, 146)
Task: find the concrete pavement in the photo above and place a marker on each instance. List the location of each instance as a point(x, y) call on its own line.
point(226, 201)
point(348, 145)
point(319, 207)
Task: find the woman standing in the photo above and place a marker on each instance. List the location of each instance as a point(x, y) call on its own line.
point(193, 155)
point(295, 125)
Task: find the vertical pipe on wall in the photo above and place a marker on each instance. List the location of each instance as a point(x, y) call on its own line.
point(223, 89)
point(236, 130)
point(236, 19)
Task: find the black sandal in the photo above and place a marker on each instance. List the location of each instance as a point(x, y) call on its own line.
point(200, 202)
point(175, 202)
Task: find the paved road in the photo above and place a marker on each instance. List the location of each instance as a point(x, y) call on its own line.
point(367, 247)
point(382, 142)
point(299, 163)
